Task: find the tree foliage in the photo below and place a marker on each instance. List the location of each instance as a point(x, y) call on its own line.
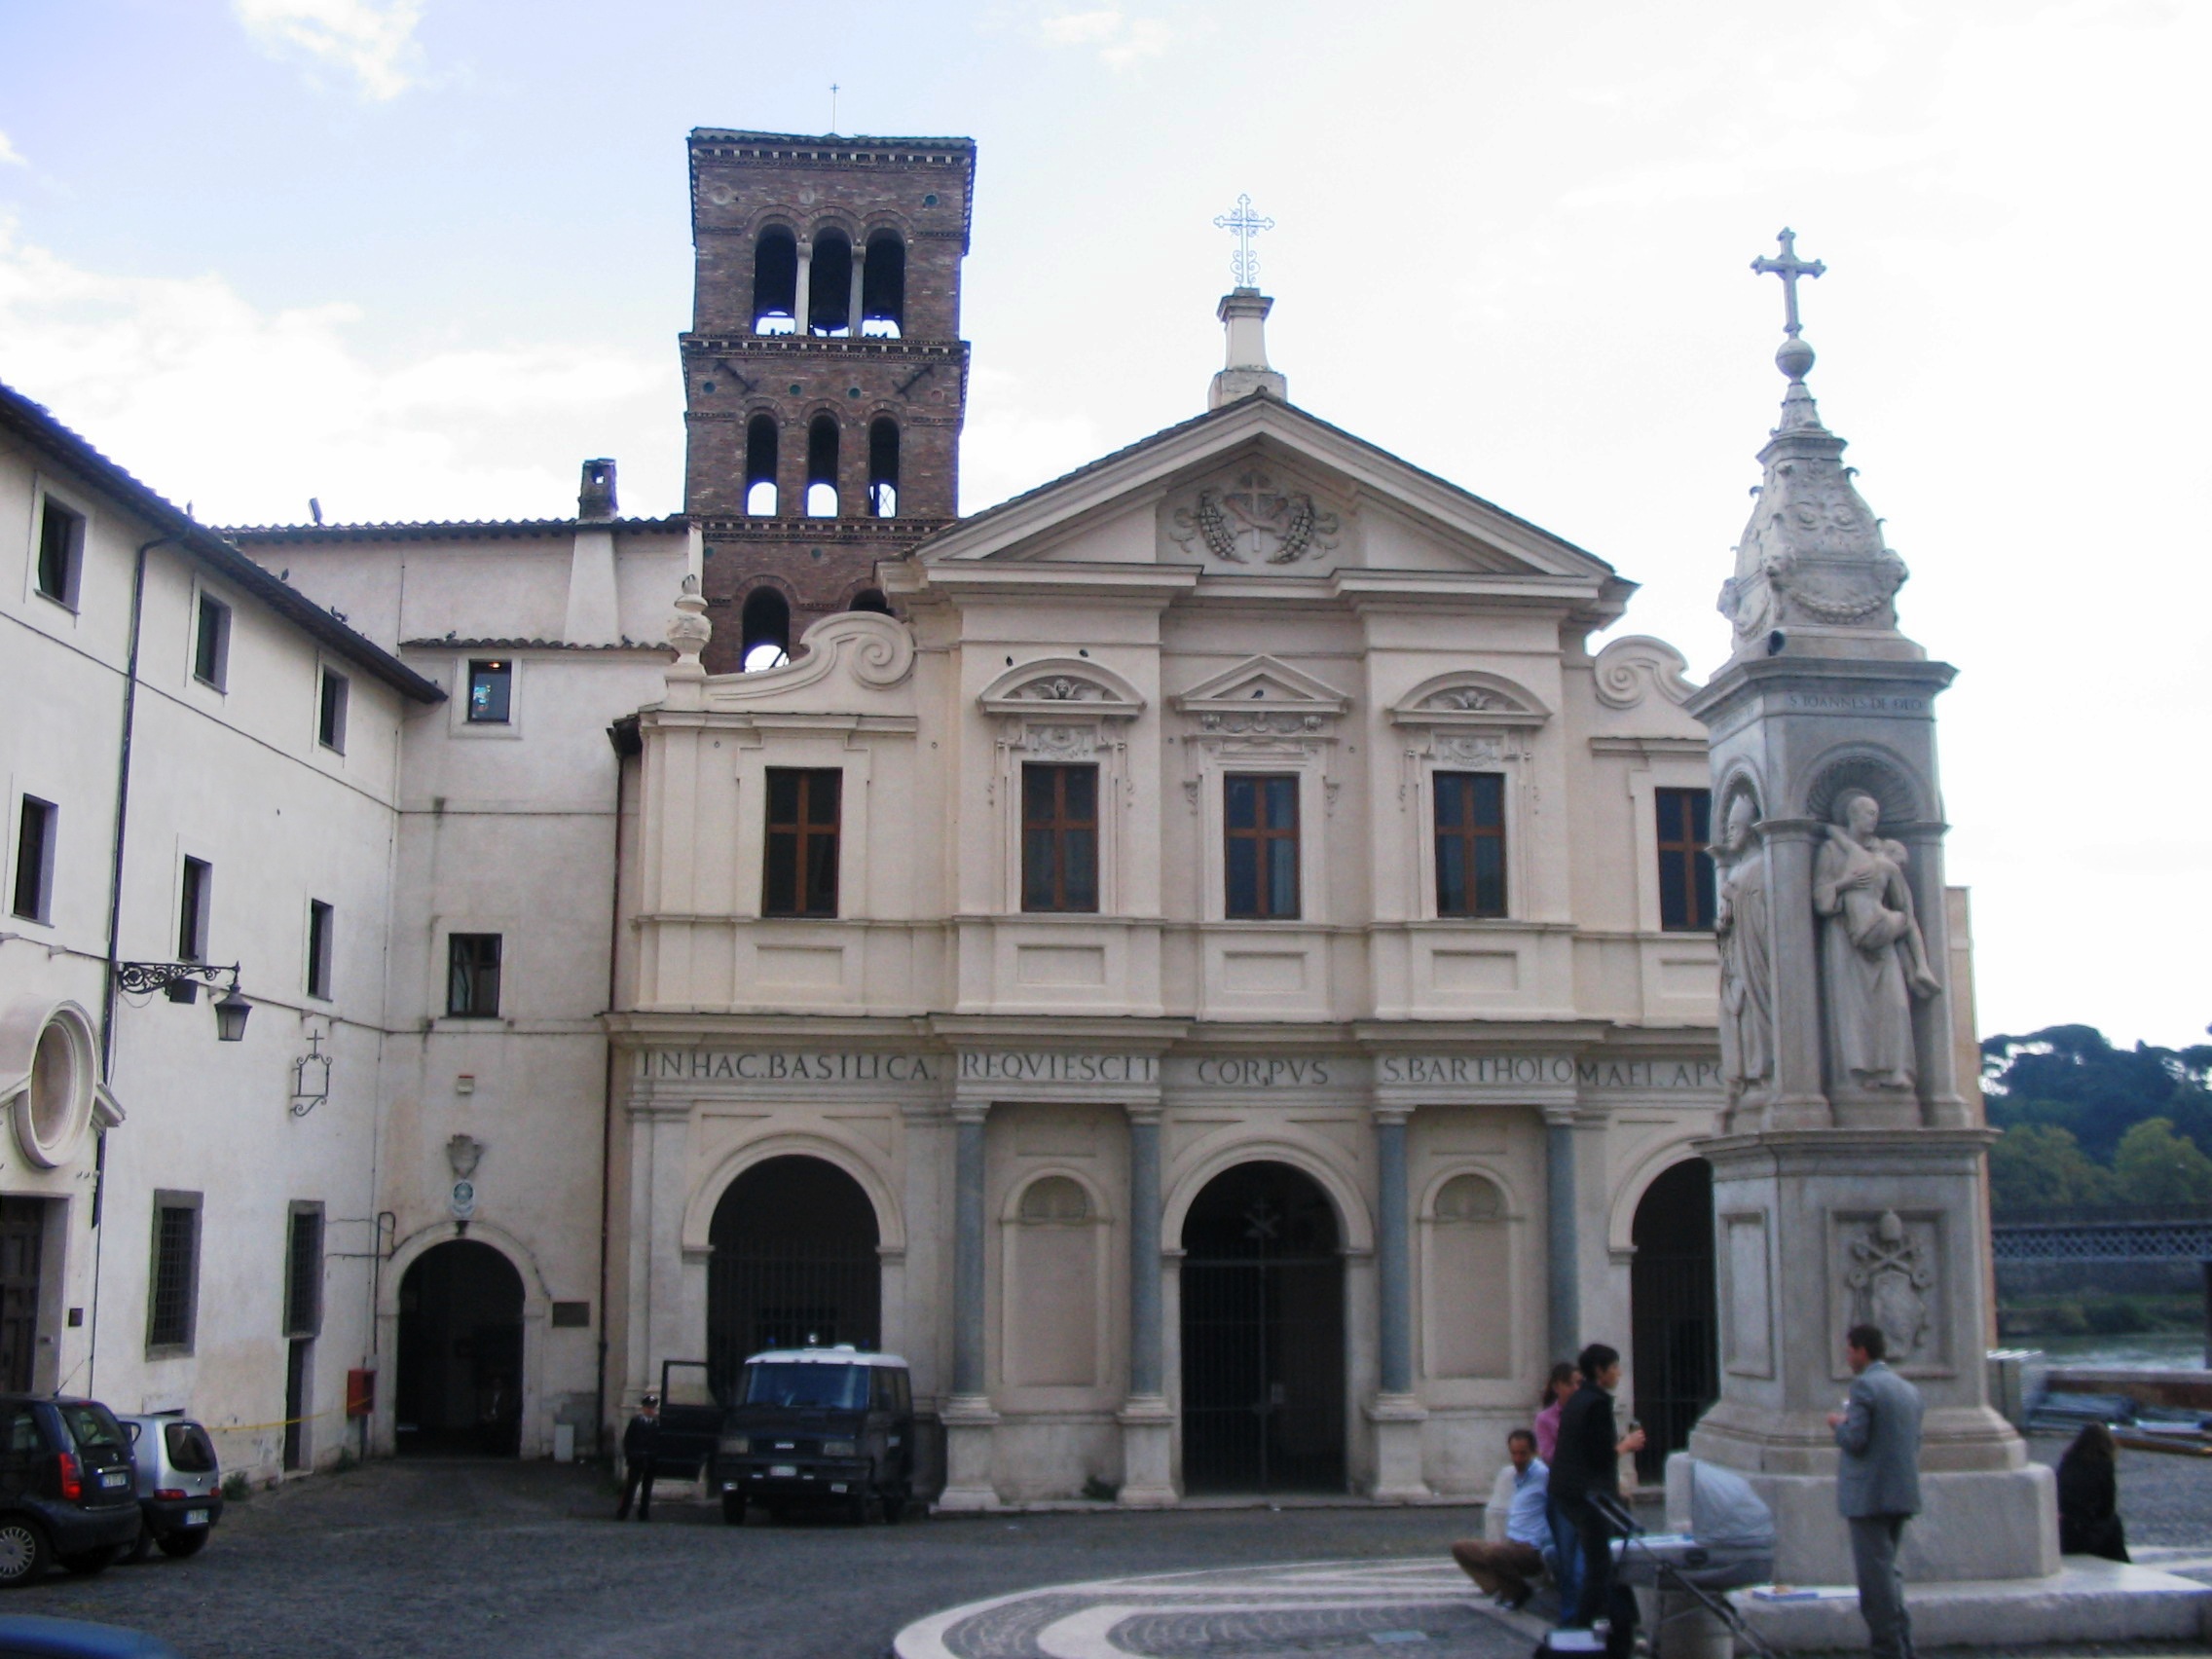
point(2072, 1104)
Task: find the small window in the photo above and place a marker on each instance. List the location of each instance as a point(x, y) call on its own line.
point(60, 551)
point(173, 1287)
point(35, 838)
point(303, 1272)
point(330, 711)
point(1260, 811)
point(1059, 837)
point(211, 642)
point(490, 693)
point(763, 631)
point(1470, 844)
point(761, 445)
point(196, 897)
point(883, 468)
point(1686, 867)
point(801, 874)
point(775, 282)
point(319, 920)
point(822, 468)
point(472, 976)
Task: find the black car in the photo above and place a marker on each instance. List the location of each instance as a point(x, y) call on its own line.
point(67, 1487)
point(829, 1425)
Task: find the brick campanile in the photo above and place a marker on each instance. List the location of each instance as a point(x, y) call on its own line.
point(825, 379)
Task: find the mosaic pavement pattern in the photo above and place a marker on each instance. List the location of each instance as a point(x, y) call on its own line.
point(1424, 1609)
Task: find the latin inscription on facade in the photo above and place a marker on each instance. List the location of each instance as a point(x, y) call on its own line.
point(1046, 1066)
point(1857, 703)
point(790, 1065)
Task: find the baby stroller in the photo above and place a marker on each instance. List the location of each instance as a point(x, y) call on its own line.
point(1729, 1545)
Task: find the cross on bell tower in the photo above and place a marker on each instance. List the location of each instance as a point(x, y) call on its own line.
point(1242, 223)
point(1795, 356)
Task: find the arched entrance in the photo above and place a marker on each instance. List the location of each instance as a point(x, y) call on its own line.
point(1672, 1317)
point(1263, 1335)
point(794, 1261)
point(460, 1387)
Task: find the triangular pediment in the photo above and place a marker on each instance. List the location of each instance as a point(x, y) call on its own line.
point(1260, 489)
point(1262, 682)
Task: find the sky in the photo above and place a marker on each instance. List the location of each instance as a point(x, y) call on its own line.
point(418, 258)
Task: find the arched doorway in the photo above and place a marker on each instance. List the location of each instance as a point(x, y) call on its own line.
point(460, 1387)
point(1672, 1317)
point(794, 1261)
point(1263, 1335)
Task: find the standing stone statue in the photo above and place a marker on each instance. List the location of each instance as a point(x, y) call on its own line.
point(1873, 960)
point(1746, 961)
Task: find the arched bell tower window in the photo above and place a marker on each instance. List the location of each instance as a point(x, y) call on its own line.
point(775, 282)
point(822, 468)
point(873, 599)
point(830, 288)
point(764, 631)
point(883, 468)
point(760, 466)
point(883, 288)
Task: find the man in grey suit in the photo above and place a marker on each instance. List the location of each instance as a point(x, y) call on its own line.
point(1878, 1483)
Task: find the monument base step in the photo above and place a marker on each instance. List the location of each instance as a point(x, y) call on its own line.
point(2086, 1600)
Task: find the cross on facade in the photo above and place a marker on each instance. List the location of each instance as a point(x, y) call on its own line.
point(1243, 224)
point(1788, 268)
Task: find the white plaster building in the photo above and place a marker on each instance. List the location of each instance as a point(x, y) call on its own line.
point(1205, 960)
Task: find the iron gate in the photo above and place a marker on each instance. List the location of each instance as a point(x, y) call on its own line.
point(795, 1263)
point(1263, 1336)
point(1674, 1342)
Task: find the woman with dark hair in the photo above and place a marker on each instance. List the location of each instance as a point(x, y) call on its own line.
point(1564, 1380)
point(2088, 1496)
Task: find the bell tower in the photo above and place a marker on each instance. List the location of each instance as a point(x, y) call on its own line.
point(825, 379)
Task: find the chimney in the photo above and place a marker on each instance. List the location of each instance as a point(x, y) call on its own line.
point(596, 498)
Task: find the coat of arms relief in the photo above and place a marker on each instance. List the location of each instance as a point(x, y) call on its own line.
point(1253, 520)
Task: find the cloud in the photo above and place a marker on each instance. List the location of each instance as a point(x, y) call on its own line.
point(248, 412)
point(370, 41)
point(1119, 39)
point(10, 156)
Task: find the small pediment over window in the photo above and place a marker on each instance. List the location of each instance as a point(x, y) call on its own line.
point(1065, 687)
point(1263, 682)
point(1470, 698)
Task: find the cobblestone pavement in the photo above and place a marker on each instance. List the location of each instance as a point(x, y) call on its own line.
point(425, 1560)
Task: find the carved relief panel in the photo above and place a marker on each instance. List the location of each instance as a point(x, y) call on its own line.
point(1888, 1269)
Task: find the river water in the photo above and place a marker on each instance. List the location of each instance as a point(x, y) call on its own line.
point(2159, 1350)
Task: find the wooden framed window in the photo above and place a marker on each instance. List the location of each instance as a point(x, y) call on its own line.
point(211, 642)
point(1470, 843)
point(1059, 837)
point(472, 976)
point(320, 920)
point(35, 839)
point(800, 878)
point(1259, 825)
point(1686, 867)
point(330, 711)
point(60, 551)
point(196, 897)
point(172, 1292)
point(490, 693)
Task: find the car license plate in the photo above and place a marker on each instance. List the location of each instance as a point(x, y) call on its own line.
point(115, 1478)
point(783, 1468)
point(196, 1517)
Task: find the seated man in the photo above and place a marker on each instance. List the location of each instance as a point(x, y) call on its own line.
point(1504, 1566)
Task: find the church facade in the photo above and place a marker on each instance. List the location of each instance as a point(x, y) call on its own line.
point(1204, 958)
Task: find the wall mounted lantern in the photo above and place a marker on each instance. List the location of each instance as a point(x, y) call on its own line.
point(178, 982)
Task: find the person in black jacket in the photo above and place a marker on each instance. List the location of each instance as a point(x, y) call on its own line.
point(641, 1442)
point(2088, 1496)
point(1588, 1465)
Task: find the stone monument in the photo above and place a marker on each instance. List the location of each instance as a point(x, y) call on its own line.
point(1847, 1173)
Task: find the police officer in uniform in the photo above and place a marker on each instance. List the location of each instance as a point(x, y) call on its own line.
point(641, 1445)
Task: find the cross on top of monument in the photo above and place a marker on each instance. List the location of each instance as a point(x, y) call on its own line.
point(1243, 224)
point(1788, 268)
